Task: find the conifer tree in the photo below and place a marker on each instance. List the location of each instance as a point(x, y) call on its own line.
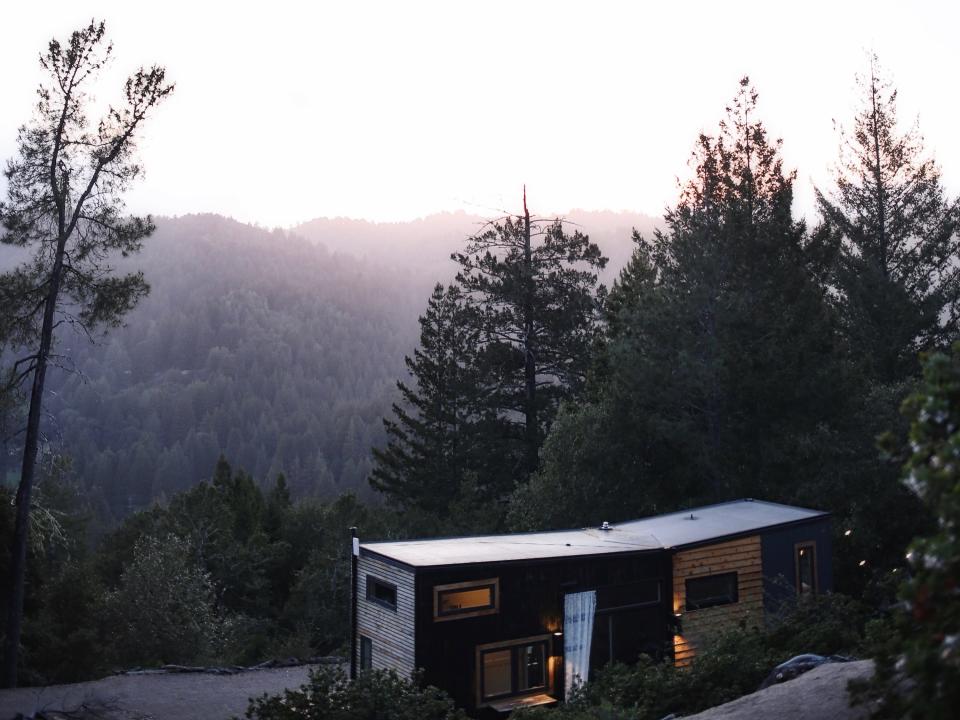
point(532, 297)
point(434, 432)
point(897, 266)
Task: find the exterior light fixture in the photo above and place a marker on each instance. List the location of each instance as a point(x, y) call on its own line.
point(862, 563)
point(846, 533)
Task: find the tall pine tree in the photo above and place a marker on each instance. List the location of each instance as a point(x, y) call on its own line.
point(897, 266)
point(533, 300)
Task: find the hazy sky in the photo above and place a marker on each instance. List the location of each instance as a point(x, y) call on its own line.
point(286, 111)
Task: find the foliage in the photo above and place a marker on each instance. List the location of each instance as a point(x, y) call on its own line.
point(163, 610)
point(499, 350)
point(531, 291)
point(280, 572)
point(927, 637)
point(440, 432)
point(898, 238)
point(829, 624)
point(719, 370)
point(375, 694)
point(730, 368)
point(226, 573)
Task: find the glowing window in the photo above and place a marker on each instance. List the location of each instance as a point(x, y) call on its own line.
point(469, 599)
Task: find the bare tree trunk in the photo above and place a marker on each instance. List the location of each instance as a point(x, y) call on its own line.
point(21, 530)
point(530, 365)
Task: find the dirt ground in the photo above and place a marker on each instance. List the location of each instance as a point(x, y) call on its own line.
point(156, 697)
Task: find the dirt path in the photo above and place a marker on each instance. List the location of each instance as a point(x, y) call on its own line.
point(156, 697)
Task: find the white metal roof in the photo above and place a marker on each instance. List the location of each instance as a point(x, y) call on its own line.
point(673, 530)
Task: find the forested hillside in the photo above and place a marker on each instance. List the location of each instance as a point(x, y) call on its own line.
point(262, 345)
point(254, 343)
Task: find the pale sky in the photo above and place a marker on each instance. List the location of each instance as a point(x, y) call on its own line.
point(286, 111)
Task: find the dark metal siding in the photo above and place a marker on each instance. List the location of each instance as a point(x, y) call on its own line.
point(531, 604)
point(779, 568)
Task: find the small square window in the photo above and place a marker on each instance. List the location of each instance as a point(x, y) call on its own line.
point(381, 593)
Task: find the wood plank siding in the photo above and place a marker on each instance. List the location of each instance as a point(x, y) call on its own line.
point(741, 556)
point(391, 630)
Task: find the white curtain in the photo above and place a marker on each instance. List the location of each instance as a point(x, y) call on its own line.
point(578, 609)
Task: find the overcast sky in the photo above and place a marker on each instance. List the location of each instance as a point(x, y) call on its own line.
point(286, 111)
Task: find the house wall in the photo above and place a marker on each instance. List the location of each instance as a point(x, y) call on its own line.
point(392, 631)
point(742, 556)
point(531, 604)
point(779, 562)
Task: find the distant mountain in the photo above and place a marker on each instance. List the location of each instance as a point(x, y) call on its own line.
point(280, 349)
point(423, 247)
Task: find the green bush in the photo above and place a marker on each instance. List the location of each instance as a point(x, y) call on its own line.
point(829, 624)
point(375, 695)
point(163, 610)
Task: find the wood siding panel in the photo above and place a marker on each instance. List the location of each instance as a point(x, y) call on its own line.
point(741, 556)
point(391, 631)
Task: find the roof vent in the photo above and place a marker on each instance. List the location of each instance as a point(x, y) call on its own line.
point(691, 517)
point(606, 526)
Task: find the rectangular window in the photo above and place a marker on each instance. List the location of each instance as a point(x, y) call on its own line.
point(366, 653)
point(806, 562)
point(468, 599)
point(711, 591)
point(515, 668)
point(381, 593)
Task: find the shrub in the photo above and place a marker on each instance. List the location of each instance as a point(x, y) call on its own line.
point(376, 694)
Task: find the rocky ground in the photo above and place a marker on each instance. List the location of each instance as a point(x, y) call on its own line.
point(820, 694)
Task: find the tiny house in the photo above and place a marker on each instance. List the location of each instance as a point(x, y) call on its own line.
point(502, 621)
